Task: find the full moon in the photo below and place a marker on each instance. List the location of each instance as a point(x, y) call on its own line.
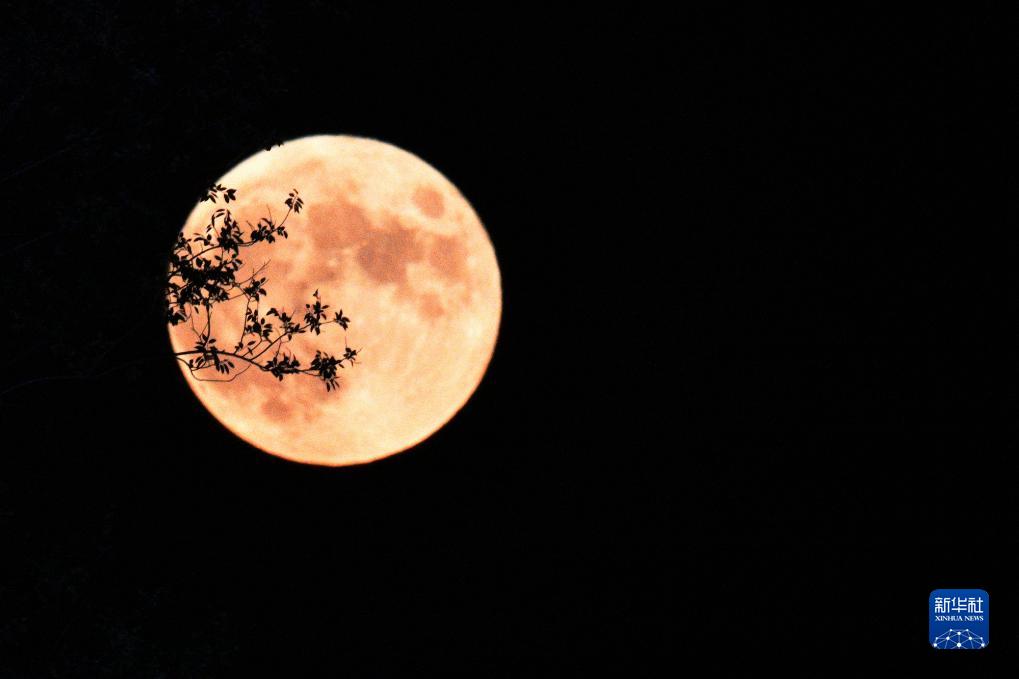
point(389, 240)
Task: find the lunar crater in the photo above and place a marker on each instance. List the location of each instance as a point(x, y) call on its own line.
point(429, 202)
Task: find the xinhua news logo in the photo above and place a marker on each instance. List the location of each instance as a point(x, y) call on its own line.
point(959, 619)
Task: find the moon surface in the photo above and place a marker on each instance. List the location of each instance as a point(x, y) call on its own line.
point(389, 240)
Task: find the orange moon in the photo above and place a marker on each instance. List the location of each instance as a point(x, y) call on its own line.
point(389, 240)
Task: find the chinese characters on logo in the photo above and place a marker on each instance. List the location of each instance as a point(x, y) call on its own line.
point(958, 604)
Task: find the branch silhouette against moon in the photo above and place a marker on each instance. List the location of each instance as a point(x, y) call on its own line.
point(198, 281)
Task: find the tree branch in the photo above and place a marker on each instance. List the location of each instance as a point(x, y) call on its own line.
point(195, 282)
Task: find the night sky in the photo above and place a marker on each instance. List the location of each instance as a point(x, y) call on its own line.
point(753, 396)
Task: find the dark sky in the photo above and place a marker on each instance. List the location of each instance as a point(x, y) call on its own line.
point(754, 388)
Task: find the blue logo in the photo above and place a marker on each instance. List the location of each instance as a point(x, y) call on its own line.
point(959, 619)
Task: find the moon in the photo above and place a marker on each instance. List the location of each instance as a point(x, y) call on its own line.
point(389, 240)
